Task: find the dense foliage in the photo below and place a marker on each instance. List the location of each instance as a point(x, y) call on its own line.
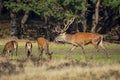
point(90, 15)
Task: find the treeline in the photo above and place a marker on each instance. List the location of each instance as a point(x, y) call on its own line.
point(33, 18)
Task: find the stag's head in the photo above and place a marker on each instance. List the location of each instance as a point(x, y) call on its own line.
point(62, 34)
point(61, 37)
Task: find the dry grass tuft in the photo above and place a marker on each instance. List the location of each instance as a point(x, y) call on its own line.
point(61, 69)
point(20, 68)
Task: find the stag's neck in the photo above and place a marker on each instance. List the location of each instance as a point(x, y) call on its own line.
point(68, 38)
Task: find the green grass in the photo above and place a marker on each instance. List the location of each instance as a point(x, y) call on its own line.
point(60, 51)
point(59, 68)
point(113, 50)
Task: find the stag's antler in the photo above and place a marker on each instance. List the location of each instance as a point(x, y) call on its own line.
point(57, 29)
point(69, 22)
point(66, 26)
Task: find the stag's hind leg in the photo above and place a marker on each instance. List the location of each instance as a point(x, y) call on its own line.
point(105, 50)
point(95, 44)
point(83, 51)
point(103, 47)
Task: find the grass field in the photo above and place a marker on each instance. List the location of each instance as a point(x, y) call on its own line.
point(60, 68)
point(60, 51)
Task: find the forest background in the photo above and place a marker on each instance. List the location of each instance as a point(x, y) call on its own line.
point(34, 18)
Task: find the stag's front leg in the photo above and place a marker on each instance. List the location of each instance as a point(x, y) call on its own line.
point(83, 51)
point(69, 52)
point(72, 48)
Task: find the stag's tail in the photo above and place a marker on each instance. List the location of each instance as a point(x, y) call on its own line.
point(101, 42)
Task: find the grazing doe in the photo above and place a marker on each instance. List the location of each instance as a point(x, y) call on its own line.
point(80, 38)
point(10, 47)
point(28, 48)
point(43, 45)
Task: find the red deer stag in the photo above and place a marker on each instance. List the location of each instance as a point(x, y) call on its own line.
point(28, 48)
point(80, 38)
point(43, 45)
point(10, 46)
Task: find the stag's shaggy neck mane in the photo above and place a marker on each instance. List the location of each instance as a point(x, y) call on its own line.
point(65, 38)
point(68, 38)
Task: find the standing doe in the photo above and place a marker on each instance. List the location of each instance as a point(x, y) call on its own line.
point(43, 45)
point(28, 48)
point(10, 46)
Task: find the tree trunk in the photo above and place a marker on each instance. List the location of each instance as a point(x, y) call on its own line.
point(13, 26)
point(84, 21)
point(23, 21)
point(83, 18)
point(1, 7)
point(77, 27)
point(46, 19)
point(96, 17)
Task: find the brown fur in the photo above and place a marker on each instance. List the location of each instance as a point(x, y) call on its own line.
point(81, 39)
point(10, 46)
point(43, 45)
point(28, 48)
